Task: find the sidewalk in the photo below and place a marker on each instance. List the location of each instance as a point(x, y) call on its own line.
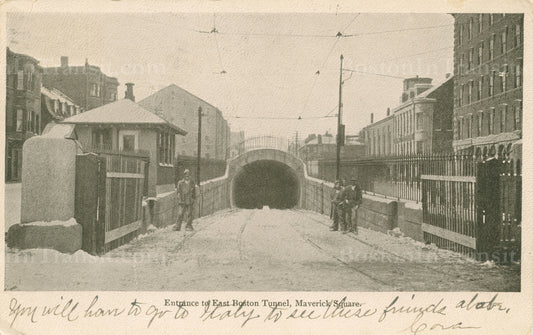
point(12, 202)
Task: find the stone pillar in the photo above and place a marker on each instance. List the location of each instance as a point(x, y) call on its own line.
point(49, 176)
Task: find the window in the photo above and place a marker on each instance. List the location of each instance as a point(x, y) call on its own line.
point(471, 59)
point(470, 28)
point(459, 128)
point(517, 117)
point(469, 129)
point(480, 123)
point(166, 148)
point(491, 120)
point(20, 80)
point(491, 19)
point(101, 138)
point(480, 23)
point(503, 46)
point(470, 91)
point(517, 35)
point(95, 90)
point(20, 120)
point(29, 79)
point(491, 84)
point(480, 88)
point(491, 47)
point(480, 54)
point(503, 119)
point(29, 118)
point(518, 75)
point(460, 34)
point(128, 140)
point(503, 74)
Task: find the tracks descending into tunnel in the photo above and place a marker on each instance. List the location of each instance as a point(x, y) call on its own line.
point(266, 183)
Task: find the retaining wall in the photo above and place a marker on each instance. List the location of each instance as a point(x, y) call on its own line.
point(376, 212)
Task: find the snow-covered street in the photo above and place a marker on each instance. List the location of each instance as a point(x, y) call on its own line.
point(260, 250)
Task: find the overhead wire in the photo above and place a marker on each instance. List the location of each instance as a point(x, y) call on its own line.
point(324, 63)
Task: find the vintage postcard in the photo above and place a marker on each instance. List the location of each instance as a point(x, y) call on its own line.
point(233, 167)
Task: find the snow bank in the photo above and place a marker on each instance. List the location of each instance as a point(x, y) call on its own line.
point(70, 222)
point(43, 255)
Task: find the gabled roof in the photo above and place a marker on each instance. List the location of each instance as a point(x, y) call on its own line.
point(122, 111)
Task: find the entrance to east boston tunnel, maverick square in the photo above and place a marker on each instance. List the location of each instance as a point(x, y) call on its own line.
point(266, 183)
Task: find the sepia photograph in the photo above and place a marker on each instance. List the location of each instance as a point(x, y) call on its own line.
point(263, 151)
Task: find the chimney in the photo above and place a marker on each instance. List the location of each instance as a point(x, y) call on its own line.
point(388, 111)
point(448, 75)
point(371, 117)
point(64, 61)
point(129, 92)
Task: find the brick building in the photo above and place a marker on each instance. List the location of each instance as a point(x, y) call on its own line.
point(180, 107)
point(86, 85)
point(422, 123)
point(23, 108)
point(488, 60)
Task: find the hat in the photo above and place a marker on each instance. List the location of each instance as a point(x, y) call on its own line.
point(353, 179)
point(186, 171)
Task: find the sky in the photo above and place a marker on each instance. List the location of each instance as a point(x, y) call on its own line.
point(260, 70)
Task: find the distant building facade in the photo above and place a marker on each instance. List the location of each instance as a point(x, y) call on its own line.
point(23, 108)
point(421, 124)
point(180, 107)
point(319, 152)
point(86, 85)
point(488, 61)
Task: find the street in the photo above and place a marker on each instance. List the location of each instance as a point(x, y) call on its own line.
point(260, 250)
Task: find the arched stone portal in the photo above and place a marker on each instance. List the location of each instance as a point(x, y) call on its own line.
point(266, 177)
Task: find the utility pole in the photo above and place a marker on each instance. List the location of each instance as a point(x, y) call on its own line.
point(199, 146)
point(340, 132)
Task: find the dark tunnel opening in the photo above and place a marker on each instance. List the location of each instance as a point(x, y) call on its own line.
point(266, 183)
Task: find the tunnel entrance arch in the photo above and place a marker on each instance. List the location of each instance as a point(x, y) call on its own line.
point(266, 177)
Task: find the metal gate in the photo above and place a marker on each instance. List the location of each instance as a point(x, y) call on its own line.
point(109, 192)
point(475, 209)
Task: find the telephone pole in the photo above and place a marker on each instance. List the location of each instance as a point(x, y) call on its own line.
point(340, 128)
point(199, 146)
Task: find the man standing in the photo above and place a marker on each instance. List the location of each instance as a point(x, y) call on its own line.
point(351, 198)
point(335, 200)
point(185, 195)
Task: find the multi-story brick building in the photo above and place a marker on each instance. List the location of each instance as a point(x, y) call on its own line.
point(488, 59)
point(23, 108)
point(422, 123)
point(86, 85)
point(180, 107)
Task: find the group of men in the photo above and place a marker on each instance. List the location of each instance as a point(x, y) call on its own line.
point(345, 201)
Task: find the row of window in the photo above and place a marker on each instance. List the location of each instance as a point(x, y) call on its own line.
point(479, 55)
point(476, 24)
point(484, 122)
point(476, 90)
point(22, 80)
point(65, 109)
point(403, 123)
point(29, 121)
